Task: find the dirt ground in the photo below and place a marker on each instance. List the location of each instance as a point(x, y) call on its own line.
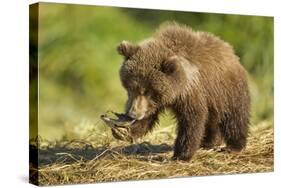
point(78, 161)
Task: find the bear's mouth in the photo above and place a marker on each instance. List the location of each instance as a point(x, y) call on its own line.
point(120, 120)
point(140, 117)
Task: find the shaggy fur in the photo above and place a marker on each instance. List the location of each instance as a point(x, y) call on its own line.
point(195, 74)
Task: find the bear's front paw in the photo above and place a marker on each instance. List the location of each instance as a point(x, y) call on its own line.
point(181, 157)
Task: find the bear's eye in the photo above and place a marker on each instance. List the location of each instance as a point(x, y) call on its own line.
point(146, 92)
point(151, 94)
point(142, 91)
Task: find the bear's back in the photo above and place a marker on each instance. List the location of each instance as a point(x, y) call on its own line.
point(196, 46)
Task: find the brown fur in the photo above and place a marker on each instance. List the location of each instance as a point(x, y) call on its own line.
point(195, 74)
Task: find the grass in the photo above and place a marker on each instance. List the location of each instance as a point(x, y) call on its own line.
point(85, 161)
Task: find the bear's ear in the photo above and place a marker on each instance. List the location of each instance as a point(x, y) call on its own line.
point(127, 49)
point(171, 65)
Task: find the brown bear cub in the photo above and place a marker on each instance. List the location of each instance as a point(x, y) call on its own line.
point(198, 77)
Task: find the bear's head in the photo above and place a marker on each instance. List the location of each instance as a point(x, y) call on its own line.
point(153, 77)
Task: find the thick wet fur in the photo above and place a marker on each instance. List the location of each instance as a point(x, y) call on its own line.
point(196, 75)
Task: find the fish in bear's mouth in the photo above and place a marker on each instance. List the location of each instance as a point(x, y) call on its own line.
point(120, 125)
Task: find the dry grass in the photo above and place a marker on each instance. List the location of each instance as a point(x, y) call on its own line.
point(80, 162)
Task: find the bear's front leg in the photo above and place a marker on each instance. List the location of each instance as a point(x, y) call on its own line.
point(191, 127)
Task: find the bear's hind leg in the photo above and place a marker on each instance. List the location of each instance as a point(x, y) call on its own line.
point(235, 131)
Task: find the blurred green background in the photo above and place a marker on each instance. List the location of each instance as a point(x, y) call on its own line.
point(79, 65)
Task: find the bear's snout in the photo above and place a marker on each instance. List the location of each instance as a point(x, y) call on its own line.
point(138, 108)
